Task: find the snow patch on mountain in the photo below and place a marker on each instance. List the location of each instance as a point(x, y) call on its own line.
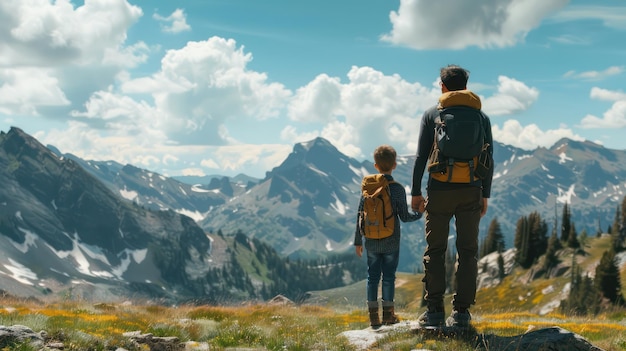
point(565, 196)
point(197, 189)
point(329, 245)
point(20, 272)
point(360, 172)
point(129, 195)
point(339, 206)
point(314, 169)
point(83, 254)
point(29, 240)
point(195, 215)
point(563, 158)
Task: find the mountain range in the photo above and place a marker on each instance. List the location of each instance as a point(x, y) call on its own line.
point(65, 221)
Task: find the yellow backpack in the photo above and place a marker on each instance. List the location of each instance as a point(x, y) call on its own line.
point(377, 220)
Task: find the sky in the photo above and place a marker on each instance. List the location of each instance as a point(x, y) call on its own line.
point(228, 87)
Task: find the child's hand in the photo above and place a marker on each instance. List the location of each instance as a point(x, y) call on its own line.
point(359, 250)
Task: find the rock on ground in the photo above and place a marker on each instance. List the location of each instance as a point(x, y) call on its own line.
point(553, 338)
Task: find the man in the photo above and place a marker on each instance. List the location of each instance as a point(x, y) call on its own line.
point(466, 200)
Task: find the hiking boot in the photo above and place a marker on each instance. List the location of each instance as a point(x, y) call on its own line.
point(459, 319)
point(431, 319)
point(374, 318)
point(372, 308)
point(389, 315)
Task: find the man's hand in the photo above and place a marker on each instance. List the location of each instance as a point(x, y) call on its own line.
point(485, 205)
point(418, 204)
point(359, 250)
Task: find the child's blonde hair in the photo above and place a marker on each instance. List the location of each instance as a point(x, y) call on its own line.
point(385, 157)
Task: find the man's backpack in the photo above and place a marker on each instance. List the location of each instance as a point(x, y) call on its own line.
point(459, 154)
point(377, 220)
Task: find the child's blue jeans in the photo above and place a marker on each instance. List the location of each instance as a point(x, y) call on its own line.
point(385, 265)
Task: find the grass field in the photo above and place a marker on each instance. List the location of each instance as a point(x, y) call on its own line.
point(88, 326)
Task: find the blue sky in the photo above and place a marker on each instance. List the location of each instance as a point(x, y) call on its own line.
point(201, 87)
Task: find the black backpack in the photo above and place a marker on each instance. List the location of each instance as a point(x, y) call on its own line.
point(459, 144)
point(460, 133)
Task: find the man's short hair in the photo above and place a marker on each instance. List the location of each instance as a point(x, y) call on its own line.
point(385, 157)
point(454, 77)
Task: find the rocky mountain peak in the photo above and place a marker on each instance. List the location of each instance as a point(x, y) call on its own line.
point(51, 208)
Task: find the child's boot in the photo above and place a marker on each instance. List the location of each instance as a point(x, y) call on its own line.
point(389, 315)
point(372, 307)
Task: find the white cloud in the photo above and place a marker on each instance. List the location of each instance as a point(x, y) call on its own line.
point(569, 39)
point(58, 54)
point(202, 86)
point(596, 75)
point(370, 109)
point(607, 95)
point(45, 33)
point(317, 101)
point(512, 97)
point(610, 16)
point(291, 135)
point(453, 24)
point(261, 158)
point(174, 23)
point(192, 172)
point(168, 120)
point(614, 118)
point(531, 136)
point(23, 90)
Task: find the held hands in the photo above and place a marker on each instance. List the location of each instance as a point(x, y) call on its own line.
point(418, 204)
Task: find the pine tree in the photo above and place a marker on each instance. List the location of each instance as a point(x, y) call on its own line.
point(530, 239)
point(522, 236)
point(582, 237)
point(607, 278)
point(583, 297)
point(565, 223)
point(550, 259)
point(538, 235)
point(624, 212)
point(620, 239)
point(617, 221)
point(572, 240)
point(494, 241)
point(501, 271)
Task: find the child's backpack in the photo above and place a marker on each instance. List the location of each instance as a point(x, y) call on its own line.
point(377, 218)
point(459, 152)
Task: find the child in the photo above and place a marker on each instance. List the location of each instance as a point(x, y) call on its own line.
point(383, 254)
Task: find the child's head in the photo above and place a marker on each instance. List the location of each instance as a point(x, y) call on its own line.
point(385, 158)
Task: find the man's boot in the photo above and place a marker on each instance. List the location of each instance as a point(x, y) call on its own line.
point(372, 307)
point(389, 315)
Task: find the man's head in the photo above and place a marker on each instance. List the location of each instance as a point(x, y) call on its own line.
point(454, 77)
point(385, 158)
